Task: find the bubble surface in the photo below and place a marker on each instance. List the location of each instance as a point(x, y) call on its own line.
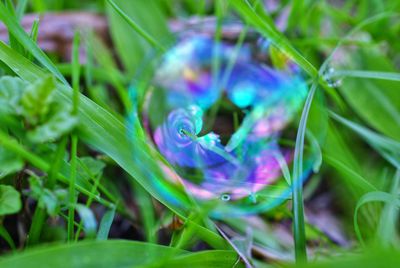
point(219, 128)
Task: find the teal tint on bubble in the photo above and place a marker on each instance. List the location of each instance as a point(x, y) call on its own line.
point(220, 130)
point(243, 94)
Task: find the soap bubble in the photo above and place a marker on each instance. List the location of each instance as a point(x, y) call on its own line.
point(216, 112)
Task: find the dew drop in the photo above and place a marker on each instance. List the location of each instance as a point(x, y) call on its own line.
point(225, 197)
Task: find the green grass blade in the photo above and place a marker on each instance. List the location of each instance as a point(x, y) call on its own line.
point(136, 26)
point(266, 27)
point(297, 184)
point(7, 237)
point(18, 32)
point(105, 225)
point(71, 192)
point(367, 74)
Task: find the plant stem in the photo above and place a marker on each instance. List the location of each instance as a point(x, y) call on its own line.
point(72, 179)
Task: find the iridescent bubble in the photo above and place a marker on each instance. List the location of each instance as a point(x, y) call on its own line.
point(190, 115)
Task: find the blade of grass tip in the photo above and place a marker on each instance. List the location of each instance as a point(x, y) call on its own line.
point(34, 36)
point(136, 27)
point(19, 33)
point(74, 137)
point(366, 74)
point(39, 215)
point(297, 184)
point(105, 225)
point(7, 237)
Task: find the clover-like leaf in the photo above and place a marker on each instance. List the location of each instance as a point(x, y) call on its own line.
point(36, 99)
point(10, 200)
point(60, 122)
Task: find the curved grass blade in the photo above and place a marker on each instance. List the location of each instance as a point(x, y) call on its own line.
point(376, 196)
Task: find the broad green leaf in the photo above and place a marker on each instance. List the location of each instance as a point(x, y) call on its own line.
point(215, 258)
point(370, 258)
point(10, 200)
point(118, 253)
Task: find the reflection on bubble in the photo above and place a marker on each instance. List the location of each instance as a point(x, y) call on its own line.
point(191, 109)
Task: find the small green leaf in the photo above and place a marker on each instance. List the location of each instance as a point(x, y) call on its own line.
point(105, 224)
point(90, 165)
point(10, 200)
point(88, 219)
point(60, 122)
point(11, 89)
point(36, 99)
point(9, 163)
point(47, 199)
